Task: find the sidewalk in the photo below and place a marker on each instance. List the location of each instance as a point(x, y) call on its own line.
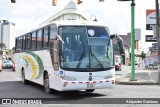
point(143, 76)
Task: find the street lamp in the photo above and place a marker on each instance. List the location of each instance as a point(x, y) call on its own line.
point(132, 40)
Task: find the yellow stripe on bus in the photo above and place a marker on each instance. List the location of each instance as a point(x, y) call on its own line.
point(32, 65)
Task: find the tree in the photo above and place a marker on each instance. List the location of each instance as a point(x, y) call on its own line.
point(143, 55)
point(2, 45)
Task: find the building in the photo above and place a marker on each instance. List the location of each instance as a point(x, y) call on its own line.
point(7, 33)
point(70, 12)
point(152, 54)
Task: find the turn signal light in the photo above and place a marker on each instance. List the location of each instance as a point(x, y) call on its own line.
point(54, 2)
point(13, 1)
point(79, 1)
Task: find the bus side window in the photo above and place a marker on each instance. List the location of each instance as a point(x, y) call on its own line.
point(20, 40)
point(33, 41)
point(53, 33)
point(39, 39)
point(24, 42)
point(46, 34)
point(17, 45)
point(28, 42)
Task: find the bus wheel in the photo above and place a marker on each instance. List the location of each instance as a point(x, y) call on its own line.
point(89, 91)
point(24, 81)
point(46, 84)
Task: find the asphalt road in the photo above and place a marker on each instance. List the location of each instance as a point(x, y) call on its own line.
point(11, 87)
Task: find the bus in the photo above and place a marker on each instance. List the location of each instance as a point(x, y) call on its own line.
point(67, 55)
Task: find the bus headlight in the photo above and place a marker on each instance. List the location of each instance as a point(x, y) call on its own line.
point(68, 78)
point(108, 77)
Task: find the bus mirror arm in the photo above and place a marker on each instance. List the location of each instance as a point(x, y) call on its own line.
point(59, 38)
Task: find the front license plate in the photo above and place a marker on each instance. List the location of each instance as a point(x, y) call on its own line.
point(90, 86)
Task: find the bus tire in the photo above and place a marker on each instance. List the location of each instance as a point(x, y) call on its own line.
point(90, 91)
point(46, 84)
point(24, 81)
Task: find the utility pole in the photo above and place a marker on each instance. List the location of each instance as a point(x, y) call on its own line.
point(132, 78)
point(158, 36)
point(132, 41)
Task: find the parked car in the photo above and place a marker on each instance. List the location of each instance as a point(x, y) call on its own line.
point(7, 64)
point(118, 66)
point(135, 63)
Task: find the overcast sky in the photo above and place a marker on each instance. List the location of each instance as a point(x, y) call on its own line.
point(28, 14)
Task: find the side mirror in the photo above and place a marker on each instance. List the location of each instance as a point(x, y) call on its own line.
point(121, 44)
point(112, 36)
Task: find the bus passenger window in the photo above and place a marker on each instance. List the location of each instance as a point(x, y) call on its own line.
point(19, 44)
point(28, 42)
point(53, 33)
point(24, 42)
point(34, 40)
point(45, 43)
point(39, 39)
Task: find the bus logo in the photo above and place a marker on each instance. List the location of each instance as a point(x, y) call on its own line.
point(91, 32)
point(90, 77)
point(61, 72)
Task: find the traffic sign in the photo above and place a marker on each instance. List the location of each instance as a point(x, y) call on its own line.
point(150, 18)
point(149, 38)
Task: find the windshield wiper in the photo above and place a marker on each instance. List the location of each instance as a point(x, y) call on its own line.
point(108, 48)
point(80, 59)
point(92, 54)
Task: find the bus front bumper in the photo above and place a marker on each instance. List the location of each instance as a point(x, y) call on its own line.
point(87, 85)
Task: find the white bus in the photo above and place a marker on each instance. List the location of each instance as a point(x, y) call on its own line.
point(67, 55)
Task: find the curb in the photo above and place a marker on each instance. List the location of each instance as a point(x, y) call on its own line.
point(137, 83)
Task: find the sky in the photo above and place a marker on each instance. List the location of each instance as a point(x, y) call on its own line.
point(28, 14)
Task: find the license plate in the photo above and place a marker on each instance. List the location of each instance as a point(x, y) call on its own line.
point(90, 86)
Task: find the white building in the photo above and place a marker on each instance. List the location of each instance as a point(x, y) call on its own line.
point(70, 12)
point(7, 33)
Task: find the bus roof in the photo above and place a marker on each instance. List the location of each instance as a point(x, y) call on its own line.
point(77, 23)
point(70, 23)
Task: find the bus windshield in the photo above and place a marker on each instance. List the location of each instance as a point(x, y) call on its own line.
point(86, 48)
